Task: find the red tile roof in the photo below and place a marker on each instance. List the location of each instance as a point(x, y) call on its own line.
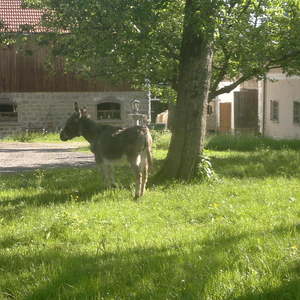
point(15, 18)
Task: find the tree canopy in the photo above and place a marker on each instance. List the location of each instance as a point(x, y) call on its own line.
point(135, 39)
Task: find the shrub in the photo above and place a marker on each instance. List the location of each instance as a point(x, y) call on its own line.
point(204, 170)
point(249, 143)
point(26, 136)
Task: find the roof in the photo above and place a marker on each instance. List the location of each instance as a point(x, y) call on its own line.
point(18, 19)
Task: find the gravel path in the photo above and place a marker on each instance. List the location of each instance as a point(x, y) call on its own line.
point(18, 157)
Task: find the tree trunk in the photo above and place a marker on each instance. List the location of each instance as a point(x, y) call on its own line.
point(190, 112)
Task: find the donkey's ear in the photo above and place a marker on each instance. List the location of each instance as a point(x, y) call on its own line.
point(76, 107)
point(83, 113)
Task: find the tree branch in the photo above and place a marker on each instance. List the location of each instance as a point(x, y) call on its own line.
point(280, 60)
point(273, 63)
point(228, 88)
point(223, 69)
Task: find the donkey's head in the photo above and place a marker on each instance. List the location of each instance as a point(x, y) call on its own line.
point(72, 127)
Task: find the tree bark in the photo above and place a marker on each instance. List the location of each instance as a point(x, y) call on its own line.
point(190, 113)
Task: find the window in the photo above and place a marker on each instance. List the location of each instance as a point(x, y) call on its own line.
point(296, 112)
point(8, 110)
point(109, 111)
point(274, 116)
point(209, 109)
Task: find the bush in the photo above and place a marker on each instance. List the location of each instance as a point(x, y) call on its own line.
point(249, 143)
point(26, 136)
point(204, 170)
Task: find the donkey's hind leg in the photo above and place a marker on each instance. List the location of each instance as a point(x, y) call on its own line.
point(135, 163)
point(144, 170)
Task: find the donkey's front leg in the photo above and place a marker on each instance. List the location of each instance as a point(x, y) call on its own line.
point(102, 170)
point(107, 170)
point(110, 174)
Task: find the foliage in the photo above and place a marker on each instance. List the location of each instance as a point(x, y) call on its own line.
point(135, 40)
point(249, 143)
point(204, 170)
point(25, 136)
point(63, 236)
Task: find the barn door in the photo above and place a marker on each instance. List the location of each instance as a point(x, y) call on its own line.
point(246, 111)
point(225, 117)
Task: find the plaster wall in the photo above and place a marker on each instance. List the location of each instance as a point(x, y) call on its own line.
point(285, 90)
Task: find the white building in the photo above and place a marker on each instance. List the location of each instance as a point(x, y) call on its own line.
point(279, 106)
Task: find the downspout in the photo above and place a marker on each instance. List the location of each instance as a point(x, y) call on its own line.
point(264, 106)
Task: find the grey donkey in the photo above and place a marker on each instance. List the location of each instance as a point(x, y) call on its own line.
point(109, 143)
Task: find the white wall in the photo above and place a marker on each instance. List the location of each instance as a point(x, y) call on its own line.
point(285, 90)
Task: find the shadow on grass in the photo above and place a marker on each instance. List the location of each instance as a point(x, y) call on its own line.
point(259, 164)
point(177, 271)
point(45, 187)
point(139, 273)
point(288, 291)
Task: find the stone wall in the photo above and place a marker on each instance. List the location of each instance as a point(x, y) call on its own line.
point(37, 111)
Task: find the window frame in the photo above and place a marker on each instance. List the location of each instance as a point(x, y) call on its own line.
point(8, 116)
point(274, 111)
point(109, 112)
point(296, 114)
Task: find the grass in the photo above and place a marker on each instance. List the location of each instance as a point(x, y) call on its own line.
point(37, 137)
point(63, 236)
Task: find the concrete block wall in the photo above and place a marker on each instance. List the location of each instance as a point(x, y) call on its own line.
point(8, 129)
point(50, 110)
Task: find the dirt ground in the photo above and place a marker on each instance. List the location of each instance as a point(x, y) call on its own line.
point(19, 157)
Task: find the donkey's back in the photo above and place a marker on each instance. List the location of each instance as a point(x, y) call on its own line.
point(112, 143)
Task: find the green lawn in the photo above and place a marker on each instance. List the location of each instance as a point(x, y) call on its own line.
point(63, 236)
point(37, 138)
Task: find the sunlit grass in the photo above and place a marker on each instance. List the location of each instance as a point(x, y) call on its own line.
point(37, 137)
point(64, 236)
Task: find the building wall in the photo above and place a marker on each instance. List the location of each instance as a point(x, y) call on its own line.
point(225, 98)
point(285, 90)
point(211, 120)
point(250, 84)
point(50, 110)
point(26, 71)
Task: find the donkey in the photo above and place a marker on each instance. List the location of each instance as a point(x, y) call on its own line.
point(109, 143)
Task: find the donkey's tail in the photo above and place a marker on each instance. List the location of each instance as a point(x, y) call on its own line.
point(149, 147)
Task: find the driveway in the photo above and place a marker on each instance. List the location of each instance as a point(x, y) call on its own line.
point(19, 157)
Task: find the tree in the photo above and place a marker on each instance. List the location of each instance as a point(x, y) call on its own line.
point(190, 46)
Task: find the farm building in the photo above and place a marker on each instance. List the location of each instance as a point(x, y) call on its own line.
point(33, 98)
point(279, 105)
point(234, 112)
point(270, 107)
